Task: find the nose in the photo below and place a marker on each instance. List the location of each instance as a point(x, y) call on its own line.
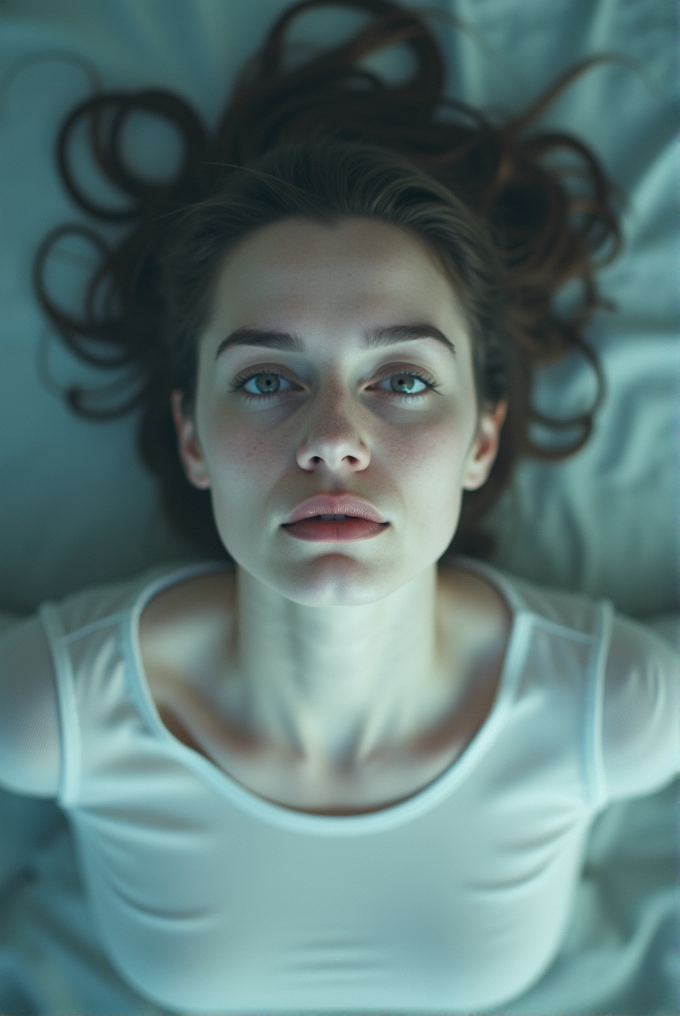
point(332, 437)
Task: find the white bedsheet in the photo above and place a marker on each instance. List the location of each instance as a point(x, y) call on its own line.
point(76, 507)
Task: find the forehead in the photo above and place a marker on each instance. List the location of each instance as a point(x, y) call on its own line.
point(356, 262)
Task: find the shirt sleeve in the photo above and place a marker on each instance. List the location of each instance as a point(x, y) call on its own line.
point(30, 748)
point(641, 711)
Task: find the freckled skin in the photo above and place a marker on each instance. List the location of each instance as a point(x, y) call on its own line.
point(336, 643)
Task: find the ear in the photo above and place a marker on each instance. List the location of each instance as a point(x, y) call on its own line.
point(484, 449)
point(188, 445)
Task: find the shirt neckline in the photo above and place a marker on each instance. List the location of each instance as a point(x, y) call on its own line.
point(333, 825)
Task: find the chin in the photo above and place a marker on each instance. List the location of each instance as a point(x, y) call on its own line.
point(335, 580)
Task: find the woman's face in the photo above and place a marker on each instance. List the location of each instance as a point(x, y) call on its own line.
point(331, 413)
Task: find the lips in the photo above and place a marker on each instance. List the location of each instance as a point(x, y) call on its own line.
point(335, 504)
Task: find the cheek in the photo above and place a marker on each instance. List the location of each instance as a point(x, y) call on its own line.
point(434, 451)
point(426, 465)
point(434, 493)
point(236, 451)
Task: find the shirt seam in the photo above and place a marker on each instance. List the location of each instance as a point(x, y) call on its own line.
point(70, 746)
point(563, 630)
point(87, 629)
point(594, 755)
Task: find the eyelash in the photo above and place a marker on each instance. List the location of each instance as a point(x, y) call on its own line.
point(243, 379)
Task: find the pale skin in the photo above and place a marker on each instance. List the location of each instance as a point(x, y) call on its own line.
point(337, 648)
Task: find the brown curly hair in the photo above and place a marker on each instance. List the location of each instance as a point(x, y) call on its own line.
point(307, 141)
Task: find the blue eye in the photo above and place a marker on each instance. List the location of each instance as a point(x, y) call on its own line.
point(268, 383)
point(407, 380)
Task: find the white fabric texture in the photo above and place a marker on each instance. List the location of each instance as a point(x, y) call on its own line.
point(210, 898)
point(77, 509)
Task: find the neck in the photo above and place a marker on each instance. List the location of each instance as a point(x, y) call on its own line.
point(335, 682)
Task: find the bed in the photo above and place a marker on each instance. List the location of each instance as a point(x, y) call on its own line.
point(78, 509)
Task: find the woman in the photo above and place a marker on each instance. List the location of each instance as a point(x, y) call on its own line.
point(340, 766)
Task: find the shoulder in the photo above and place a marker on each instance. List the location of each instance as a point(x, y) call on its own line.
point(470, 591)
point(181, 623)
point(29, 722)
point(474, 607)
point(641, 709)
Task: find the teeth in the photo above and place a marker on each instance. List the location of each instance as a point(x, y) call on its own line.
point(329, 518)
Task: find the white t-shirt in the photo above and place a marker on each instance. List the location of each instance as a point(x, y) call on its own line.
point(210, 899)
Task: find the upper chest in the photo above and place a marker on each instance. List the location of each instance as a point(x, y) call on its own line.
point(184, 635)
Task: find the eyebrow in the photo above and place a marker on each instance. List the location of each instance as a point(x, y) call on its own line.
point(372, 338)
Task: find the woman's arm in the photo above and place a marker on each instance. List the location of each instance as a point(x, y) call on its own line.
point(30, 749)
